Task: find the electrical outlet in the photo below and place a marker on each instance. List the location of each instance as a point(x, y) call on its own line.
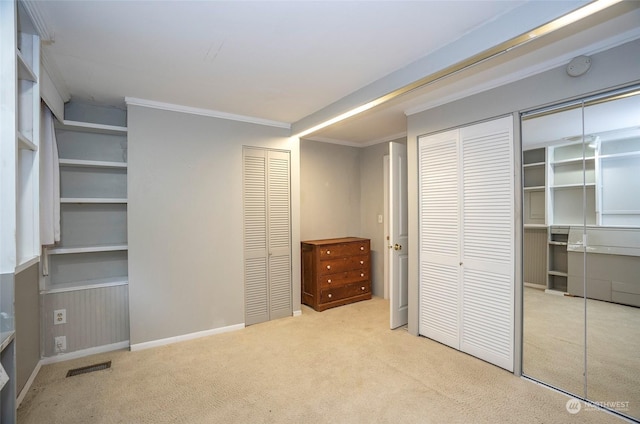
point(60, 344)
point(59, 316)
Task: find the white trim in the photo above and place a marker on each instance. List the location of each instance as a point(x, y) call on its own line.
point(333, 141)
point(34, 11)
point(527, 72)
point(88, 285)
point(27, 385)
point(86, 249)
point(185, 337)
point(204, 112)
point(297, 313)
point(52, 70)
point(84, 352)
point(26, 264)
point(385, 139)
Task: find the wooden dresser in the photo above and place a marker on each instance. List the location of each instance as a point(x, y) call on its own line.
point(335, 272)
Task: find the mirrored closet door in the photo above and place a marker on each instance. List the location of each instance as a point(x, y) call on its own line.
point(581, 252)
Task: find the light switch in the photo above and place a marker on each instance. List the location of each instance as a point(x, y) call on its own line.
point(379, 219)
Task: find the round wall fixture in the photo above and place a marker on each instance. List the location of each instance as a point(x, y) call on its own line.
point(579, 66)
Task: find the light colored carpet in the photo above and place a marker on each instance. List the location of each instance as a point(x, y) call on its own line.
point(554, 341)
point(339, 366)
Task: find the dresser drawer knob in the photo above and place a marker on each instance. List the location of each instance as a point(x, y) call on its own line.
point(330, 296)
point(362, 288)
point(328, 252)
point(362, 274)
point(328, 266)
point(361, 247)
point(361, 262)
point(329, 280)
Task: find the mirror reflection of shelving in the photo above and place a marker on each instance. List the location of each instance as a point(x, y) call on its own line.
point(534, 178)
point(92, 251)
point(572, 179)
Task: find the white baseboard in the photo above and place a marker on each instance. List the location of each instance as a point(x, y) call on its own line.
point(27, 385)
point(185, 337)
point(84, 352)
point(297, 313)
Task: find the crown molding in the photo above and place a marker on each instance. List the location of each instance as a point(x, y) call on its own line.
point(133, 101)
point(34, 11)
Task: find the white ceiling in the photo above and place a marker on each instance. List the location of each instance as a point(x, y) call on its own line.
point(280, 61)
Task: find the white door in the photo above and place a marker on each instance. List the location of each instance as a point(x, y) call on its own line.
point(267, 235)
point(439, 233)
point(467, 239)
point(398, 235)
point(488, 249)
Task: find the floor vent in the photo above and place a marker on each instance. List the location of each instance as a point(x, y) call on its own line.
point(90, 368)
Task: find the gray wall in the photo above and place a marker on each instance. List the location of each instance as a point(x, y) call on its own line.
point(27, 309)
point(342, 194)
point(329, 190)
point(611, 68)
point(185, 220)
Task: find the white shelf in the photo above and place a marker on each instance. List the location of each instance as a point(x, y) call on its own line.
point(26, 263)
point(558, 243)
point(92, 163)
point(87, 285)
point(95, 200)
point(533, 165)
point(24, 70)
point(86, 249)
point(620, 155)
point(6, 337)
point(572, 161)
point(25, 143)
point(558, 273)
point(578, 185)
point(91, 127)
point(534, 188)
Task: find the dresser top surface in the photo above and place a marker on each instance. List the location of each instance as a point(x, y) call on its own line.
point(334, 241)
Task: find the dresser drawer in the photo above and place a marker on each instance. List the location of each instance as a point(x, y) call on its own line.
point(342, 278)
point(347, 263)
point(343, 292)
point(344, 249)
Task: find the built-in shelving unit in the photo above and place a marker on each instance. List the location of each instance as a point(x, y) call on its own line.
point(571, 178)
point(534, 179)
point(557, 258)
point(19, 174)
point(93, 208)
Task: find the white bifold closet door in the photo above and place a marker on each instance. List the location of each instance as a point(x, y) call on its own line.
point(267, 234)
point(467, 239)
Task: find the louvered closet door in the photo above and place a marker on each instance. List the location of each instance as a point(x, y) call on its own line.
point(267, 235)
point(467, 240)
point(488, 221)
point(439, 238)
